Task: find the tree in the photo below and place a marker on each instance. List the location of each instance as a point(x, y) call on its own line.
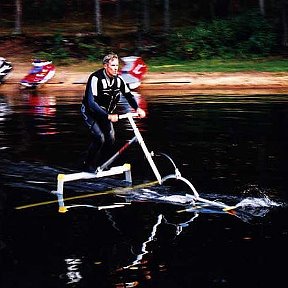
point(146, 17)
point(284, 23)
point(262, 7)
point(166, 16)
point(98, 17)
point(18, 17)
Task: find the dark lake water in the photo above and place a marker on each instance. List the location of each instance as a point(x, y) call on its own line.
point(232, 148)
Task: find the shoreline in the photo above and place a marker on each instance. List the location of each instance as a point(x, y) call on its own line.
point(167, 82)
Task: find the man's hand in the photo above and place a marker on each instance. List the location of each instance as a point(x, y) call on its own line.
point(141, 112)
point(113, 117)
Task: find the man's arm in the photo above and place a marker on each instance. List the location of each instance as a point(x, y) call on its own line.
point(127, 94)
point(131, 99)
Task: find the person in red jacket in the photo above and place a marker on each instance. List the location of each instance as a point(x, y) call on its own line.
point(103, 90)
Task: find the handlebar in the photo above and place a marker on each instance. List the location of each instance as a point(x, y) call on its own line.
point(127, 115)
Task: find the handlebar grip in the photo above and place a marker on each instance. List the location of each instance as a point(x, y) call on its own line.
point(126, 115)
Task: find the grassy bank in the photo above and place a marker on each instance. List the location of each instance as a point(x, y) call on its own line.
point(219, 65)
point(213, 65)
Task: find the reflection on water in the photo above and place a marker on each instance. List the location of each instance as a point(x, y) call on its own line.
point(73, 274)
point(41, 108)
point(232, 148)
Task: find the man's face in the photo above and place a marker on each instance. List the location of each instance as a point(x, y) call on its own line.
point(111, 68)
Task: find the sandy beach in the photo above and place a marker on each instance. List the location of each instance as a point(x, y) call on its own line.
point(71, 78)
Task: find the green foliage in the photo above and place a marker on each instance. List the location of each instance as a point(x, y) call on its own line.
point(242, 36)
point(54, 50)
point(93, 51)
point(264, 64)
point(62, 50)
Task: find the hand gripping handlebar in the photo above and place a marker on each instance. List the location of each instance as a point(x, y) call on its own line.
point(127, 115)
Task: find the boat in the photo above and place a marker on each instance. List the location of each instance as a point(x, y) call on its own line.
point(41, 72)
point(5, 68)
point(133, 71)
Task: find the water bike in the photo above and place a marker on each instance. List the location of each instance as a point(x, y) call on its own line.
point(104, 171)
point(5, 68)
point(41, 72)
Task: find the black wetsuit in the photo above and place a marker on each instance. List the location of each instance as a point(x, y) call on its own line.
point(101, 97)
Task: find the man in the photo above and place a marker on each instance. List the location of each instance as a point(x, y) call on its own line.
point(102, 94)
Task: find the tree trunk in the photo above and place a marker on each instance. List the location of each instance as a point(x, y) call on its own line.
point(234, 7)
point(18, 17)
point(262, 7)
point(212, 9)
point(146, 18)
point(118, 10)
point(98, 17)
point(284, 23)
point(166, 16)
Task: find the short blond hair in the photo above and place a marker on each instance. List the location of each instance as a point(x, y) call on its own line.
point(109, 57)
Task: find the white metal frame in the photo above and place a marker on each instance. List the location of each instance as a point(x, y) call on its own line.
point(126, 169)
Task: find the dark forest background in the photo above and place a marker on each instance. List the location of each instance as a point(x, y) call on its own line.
point(178, 29)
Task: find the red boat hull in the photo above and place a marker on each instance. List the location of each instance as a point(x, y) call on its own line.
point(41, 72)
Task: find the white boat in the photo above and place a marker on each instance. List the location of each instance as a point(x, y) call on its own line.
point(133, 71)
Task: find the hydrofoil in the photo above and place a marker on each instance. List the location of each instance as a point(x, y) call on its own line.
point(105, 171)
